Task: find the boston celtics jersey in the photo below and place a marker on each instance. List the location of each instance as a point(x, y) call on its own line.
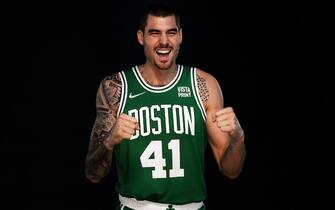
point(164, 160)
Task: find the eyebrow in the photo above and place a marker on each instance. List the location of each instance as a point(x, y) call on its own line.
point(153, 31)
point(157, 31)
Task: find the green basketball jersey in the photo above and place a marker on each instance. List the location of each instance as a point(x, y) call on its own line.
point(163, 161)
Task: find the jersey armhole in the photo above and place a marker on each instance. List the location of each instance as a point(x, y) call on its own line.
point(124, 93)
point(196, 94)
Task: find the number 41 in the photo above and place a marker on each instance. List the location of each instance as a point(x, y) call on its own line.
point(158, 162)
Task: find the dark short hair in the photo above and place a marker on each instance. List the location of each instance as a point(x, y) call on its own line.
point(158, 9)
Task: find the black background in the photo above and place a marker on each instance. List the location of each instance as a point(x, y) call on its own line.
point(57, 52)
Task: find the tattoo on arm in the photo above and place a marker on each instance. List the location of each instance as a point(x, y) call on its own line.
point(203, 89)
point(98, 159)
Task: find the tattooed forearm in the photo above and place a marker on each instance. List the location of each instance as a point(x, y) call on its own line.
point(203, 89)
point(98, 159)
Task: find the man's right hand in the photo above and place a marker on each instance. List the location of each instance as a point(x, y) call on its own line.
point(124, 127)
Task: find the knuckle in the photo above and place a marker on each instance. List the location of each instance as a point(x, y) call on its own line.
point(230, 109)
point(233, 127)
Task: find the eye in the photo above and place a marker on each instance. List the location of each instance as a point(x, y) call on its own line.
point(154, 33)
point(172, 33)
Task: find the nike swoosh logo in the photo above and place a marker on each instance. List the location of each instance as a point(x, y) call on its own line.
point(134, 96)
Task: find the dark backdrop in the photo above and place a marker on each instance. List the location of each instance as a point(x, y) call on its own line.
point(57, 52)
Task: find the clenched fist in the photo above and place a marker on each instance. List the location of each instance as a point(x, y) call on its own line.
point(124, 127)
point(227, 121)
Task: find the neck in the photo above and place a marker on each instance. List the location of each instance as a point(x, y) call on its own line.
point(157, 77)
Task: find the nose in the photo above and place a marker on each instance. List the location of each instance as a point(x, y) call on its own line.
point(163, 40)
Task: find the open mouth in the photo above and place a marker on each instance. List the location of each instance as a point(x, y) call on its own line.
point(163, 53)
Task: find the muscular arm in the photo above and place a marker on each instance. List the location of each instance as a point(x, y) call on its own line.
point(225, 135)
point(99, 158)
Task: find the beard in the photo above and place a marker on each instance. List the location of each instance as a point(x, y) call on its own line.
point(164, 65)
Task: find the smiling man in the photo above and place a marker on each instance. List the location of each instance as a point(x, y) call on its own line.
point(157, 119)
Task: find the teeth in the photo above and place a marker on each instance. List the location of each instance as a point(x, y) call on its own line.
point(163, 51)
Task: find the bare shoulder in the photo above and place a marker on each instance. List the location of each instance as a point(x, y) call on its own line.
point(109, 95)
point(209, 88)
point(111, 88)
point(111, 82)
point(205, 75)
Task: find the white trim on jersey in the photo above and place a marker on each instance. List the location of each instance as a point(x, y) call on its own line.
point(150, 205)
point(124, 93)
point(196, 94)
point(162, 89)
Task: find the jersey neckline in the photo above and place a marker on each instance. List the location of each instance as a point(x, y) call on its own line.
point(154, 89)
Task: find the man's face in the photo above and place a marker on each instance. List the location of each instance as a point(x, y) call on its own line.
point(161, 41)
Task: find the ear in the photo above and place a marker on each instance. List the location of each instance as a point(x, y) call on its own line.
point(180, 35)
point(140, 37)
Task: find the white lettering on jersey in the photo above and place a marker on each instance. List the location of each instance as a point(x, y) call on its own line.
point(157, 118)
point(144, 115)
point(184, 91)
point(177, 118)
point(158, 129)
point(134, 113)
point(166, 114)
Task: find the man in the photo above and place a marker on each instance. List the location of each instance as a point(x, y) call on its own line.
point(156, 118)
